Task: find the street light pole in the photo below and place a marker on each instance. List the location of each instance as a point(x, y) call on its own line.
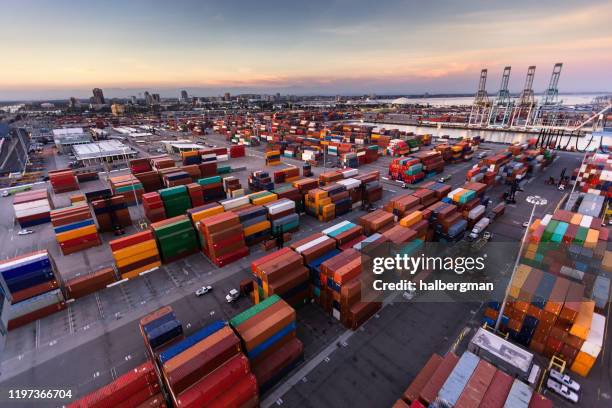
point(131, 175)
point(535, 201)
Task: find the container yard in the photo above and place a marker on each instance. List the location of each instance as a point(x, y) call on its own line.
point(312, 243)
point(288, 235)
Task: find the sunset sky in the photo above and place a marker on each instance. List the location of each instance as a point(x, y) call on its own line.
point(57, 49)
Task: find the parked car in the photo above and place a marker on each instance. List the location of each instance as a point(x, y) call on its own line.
point(444, 179)
point(525, 224)
point(562, 390)
point(482, 155)
point(203, 290)
point(232, 296)
point(564, 379)
point(25, 232)
point(5, 193)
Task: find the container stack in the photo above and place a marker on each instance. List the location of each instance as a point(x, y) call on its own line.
point(160, 329)
point(175, 237)
point(262, 197)
point(375, 221)
point(207, 210)
point(550, 311)
point(32, 208)
point(305, 185)
point(281, 273)
point(153, 207)
point(232, 187)
point(237, 151)
point(222, 238)
point(140, 165)
point(191, 157)
point(127, 185)
point(94, 195)
point(468, 382)
point(63, 180)
point(255, 224)
point(176, 200)
point(212, 189)
point(287, 175)
point(177, 178)
point(341, 289)
point(137, 388)
point(74, 229)
point(403, 204)
point(260, 180)
point(447, 220)
point(111, 213)
point(273, 158)
point(209, 369)
point(135, 254)
point(432, 161)
point(150, 180)
point(161, 162)
point(282, 216)
point(345, 233)
point(31, 285)
point(330, 177)
point(315, 250)
point(86, 284)
point(595, 175)
point(291, 193)
point(267, 334)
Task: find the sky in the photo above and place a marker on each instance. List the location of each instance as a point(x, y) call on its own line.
point(60, 48)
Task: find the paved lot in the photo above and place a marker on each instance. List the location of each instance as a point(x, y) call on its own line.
point(102, 328)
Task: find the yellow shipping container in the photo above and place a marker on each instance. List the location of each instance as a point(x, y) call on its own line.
point(200, 215)
point(458, 195)
point(411, 219)
point(522, 271)
point(135, 273)
point(135, 249)
point(76, 233)
point(265, 199)
point(121, 262)
point(591, 238)
point(576, 218)
point(582, 324)
point(255, 228)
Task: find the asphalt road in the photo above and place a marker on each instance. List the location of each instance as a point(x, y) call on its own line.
point(96, 338)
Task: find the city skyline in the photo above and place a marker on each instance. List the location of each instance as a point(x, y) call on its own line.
point(342, 47)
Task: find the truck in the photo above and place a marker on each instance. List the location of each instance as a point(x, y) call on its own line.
point(479, 227)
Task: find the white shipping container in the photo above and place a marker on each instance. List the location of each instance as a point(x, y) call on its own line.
point(335, 227)
point(586, 221)
point(312, 243)
point(594, 342)
point(234, 202)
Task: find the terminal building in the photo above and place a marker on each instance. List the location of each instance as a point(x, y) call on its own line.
point(110, 151)
point(65, 138)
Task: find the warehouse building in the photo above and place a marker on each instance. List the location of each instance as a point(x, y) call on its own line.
point(110, 151)
point(65, 138)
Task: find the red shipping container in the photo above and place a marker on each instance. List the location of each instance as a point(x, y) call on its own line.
point(430, 391)
point(422, 378)
point(130, 240)
point(215, 384)
point(498, 391)
point(239, 395)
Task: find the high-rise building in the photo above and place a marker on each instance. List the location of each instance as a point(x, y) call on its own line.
point(133, 100)
point(226, 96)
point(98, 96)
point(184, 96)
point(148, 98)
point(156, 99)
point(73, 103)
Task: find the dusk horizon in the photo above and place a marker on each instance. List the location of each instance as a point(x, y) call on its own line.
point(343, 47)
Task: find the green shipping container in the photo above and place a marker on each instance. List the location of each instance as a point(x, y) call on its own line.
point(253, 310)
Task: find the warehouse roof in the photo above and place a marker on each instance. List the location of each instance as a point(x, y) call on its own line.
point(105, 148)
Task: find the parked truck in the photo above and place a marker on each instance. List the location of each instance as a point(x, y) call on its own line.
point(479, 228)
